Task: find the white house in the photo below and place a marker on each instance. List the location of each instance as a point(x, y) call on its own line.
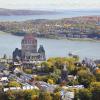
point(67, 95)
point(4, 79)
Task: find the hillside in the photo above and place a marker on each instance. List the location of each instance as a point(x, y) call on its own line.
point(9, 12)
point(77, 27)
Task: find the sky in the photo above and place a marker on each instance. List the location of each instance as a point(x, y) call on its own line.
point(50, 4)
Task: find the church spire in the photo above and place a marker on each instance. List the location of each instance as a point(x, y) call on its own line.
point(64, 73)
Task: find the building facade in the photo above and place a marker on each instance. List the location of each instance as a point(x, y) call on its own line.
point(29, 50)
point(17, 55)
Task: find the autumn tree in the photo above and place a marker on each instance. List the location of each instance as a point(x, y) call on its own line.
point(85, 78)
point(45, 96)
point(83, 94)
point(14, 84)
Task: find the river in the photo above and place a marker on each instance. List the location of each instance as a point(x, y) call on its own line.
point(53, 47)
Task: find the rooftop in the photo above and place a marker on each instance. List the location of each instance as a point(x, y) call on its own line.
point(29, 36)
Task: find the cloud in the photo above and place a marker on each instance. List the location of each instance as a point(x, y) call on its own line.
point(50, 4)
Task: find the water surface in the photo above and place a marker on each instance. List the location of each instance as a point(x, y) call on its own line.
point(53, 48)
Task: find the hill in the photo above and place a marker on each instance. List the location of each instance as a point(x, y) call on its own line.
point(9, 12)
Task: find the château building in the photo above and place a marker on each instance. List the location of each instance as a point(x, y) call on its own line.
point(29, 50)
point(17, 55)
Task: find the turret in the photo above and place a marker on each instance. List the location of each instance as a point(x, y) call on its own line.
point(41, 51)
point(17, 54)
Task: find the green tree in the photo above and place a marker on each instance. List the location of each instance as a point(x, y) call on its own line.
point(55, 75)
point(95, 85)
point(19, 95)
point(97, 77)
point(45, 66)
point(45, 96)
point(28, 71)
point(50, 81)
point(96, 94)
point(57, 96)
point(10, 95)
point(85, 78)
point(57, 89)
point(14, 84)
point(83, 94)
point(30, 94)
point(4, 56)
point(95, 88)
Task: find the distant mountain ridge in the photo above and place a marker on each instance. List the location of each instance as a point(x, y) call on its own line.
point(9, 12)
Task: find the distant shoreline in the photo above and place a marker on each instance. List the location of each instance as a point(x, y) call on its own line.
point(23, 12)
point(72, 39)
point(60, 38)
point(24, 15)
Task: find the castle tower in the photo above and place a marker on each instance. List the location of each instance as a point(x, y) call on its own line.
point(29, 46)
point(41, 51)
point(16, 55)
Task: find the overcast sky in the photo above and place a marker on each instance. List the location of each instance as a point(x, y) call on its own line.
point(49, 4)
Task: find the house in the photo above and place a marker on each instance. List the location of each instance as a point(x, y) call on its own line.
point(71, 77)
point(27, 87)
point(67, 95)
point(45, 86)
point(90, 63)
point(4, 79)
point(2, 67)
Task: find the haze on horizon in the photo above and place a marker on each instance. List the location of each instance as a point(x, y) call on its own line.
point(50, 4)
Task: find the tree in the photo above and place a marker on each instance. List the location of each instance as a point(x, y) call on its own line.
point(85, 78)
point(19, 95)
point(59, 62)
point(30, 94)
point(97, 74)
point(14, 84)
point(50, 81)
point(28, 71)
point(97, 77)
point(83, 94)
point(45, 66)
point(10, 95)
point(96, 94)
point(57, 89)
point(95, 87)
point(57, 96)
point(42, 78)
point(45, 96)
point(55, 75)
point(4, 56)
